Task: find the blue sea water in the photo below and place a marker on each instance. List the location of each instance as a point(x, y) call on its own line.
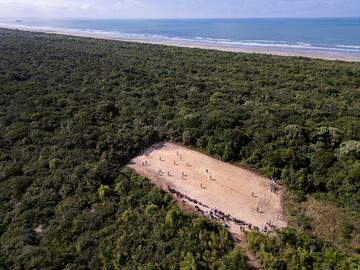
point(334, 35)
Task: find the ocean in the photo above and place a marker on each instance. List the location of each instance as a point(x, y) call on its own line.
point(326, 35)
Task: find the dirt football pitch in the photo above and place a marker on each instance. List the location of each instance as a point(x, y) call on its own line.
point(214, 184)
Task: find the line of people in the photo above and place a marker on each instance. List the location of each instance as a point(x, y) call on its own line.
point(183, 196)
point(213, 213)
point(221, 216)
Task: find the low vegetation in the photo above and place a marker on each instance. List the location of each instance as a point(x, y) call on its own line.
point(319, 216)
point(288, 250)
point(74, 111)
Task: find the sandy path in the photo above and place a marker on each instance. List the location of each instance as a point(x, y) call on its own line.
point(225, 187)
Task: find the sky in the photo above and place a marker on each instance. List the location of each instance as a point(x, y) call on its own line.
point(177, 8)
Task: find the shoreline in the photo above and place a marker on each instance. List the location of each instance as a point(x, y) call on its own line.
point(333, 56)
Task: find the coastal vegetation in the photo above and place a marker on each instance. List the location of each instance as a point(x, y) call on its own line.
point(74, 111)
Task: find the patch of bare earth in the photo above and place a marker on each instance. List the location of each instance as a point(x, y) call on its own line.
point(207, 184)
point(325, 220)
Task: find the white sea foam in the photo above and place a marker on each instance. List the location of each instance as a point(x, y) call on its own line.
point(348, 46)
point(248, 43)
point(304, 44)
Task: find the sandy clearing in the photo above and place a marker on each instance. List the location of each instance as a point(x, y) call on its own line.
point(225, 187)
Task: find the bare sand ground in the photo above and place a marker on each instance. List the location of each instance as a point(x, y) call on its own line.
point(191, 44)
point(225, 187)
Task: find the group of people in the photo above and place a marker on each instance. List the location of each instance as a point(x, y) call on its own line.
point(271, 226)
point(213, 213)
point(183, 175)
point(266, 228)
point(145, 163)
point(273, 186)
point(183, 196)
point(221, 216)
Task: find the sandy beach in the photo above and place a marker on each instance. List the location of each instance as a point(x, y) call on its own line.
point(328, 55)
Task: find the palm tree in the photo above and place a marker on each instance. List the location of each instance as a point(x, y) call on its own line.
point(103, 190)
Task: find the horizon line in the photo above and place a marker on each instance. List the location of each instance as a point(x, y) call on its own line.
point(178, 18)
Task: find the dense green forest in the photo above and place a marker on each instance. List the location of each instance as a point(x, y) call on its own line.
point(74, 111)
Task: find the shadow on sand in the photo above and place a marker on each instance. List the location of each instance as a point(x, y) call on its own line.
point(156, 146)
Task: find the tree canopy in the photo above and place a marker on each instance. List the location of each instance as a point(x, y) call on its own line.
point(74, 111)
